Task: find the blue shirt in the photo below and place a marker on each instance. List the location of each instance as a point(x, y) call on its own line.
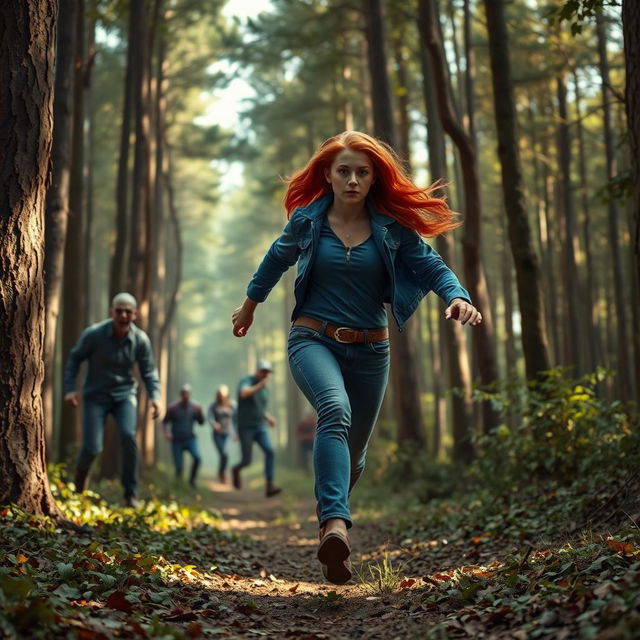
point(251, 410)
point(110, 363)
point(414, 268)
point(347, 284)
point(181, 416)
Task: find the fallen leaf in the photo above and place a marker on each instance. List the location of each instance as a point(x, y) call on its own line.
point(117, 601)
point(621, 547)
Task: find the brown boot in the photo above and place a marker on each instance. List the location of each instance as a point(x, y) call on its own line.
point(272, 490)
point(81, 480)
point(333, 553)
point(235, 478)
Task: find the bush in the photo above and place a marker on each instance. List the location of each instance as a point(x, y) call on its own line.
point(564, 430)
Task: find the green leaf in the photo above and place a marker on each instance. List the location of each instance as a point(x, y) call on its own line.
point(16, 587)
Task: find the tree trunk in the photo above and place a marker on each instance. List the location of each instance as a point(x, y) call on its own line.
point(157, 304)
point(548, 235)
point(139, 271)
point(439, 405)
point(451, 333)
point(624, 367)
point(484, 334)
point(89, 165)
point(534, 335)
point(631, 28)
point(73, 321)
point(572, 289)
point(404, 365)
point(57, 204)
point(592, 339)
point(470, 74)
point(383, 122)
point(27, 42)
point(121, 250)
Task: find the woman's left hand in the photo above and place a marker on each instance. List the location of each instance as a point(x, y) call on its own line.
point(464, 312)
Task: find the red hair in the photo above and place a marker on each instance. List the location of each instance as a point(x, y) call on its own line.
point(393, 193)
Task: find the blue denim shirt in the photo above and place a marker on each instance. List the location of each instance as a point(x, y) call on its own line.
point(414, 267)
point(111, 361)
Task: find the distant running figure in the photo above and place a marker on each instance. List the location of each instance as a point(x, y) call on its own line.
point(178, 429)
point(222, 416)
point(253, 397)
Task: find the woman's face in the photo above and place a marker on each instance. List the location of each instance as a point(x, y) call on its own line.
point(350, 176)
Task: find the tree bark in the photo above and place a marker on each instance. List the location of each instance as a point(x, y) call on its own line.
point(27, 43)
point(534, 334)
point(57, 203)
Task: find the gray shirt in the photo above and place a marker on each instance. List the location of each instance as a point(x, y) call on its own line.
point(110, 363)
point(225, 416)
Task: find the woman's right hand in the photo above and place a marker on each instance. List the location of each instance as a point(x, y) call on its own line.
point(242, 318)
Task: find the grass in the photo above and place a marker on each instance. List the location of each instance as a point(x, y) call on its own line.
point(381, 577)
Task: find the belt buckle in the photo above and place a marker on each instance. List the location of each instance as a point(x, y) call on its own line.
point(337, 338)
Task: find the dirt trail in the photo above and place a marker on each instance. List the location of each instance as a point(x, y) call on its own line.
point(273, 586)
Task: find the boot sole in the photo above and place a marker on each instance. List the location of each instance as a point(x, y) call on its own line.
point(333, 554)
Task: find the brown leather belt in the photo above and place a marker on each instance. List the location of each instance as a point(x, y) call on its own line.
point(343, 334)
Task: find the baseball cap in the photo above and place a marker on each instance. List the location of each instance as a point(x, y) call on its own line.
point(185, 387)
point(264, 365)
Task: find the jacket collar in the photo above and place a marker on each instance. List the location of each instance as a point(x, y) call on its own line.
point(319, 207)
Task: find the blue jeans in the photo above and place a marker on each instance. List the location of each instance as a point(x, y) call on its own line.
point(178, 447)
point(221, 440)
point(345, 384)
point(259, 434)
point(94, 415)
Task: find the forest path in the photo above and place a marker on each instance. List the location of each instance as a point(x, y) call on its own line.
point(276, 589)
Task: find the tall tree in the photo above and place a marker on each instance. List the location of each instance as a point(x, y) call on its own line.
point(27, 43)
point(404, 367)
point(121, 248)
point(139, 264)
point(625, 369)
point(74, 320)
point(484, 339)
point(572, 289)
point(631, 28)
point(534, 335)
point(57, 204)
point(451, 333)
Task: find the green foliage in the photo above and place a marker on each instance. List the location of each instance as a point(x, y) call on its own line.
point(119, 559)
point(579, 11)
point(565, 430)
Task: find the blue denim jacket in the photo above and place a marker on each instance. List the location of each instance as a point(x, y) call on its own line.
point(414, 267)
